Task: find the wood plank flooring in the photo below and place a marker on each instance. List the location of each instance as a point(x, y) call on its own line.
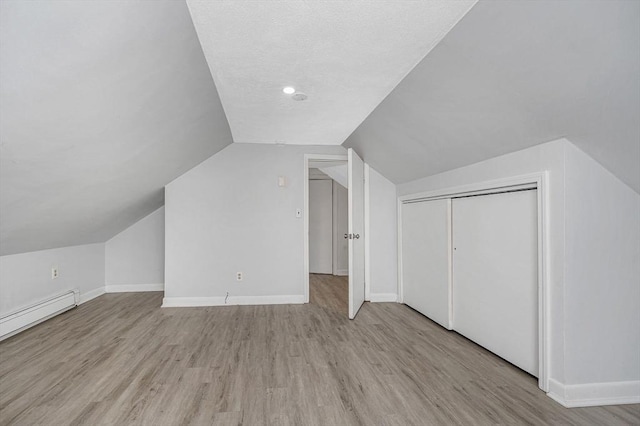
point(121, 359)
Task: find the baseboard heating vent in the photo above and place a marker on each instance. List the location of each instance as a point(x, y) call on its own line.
point(17, 321)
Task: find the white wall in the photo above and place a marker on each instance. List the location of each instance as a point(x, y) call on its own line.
point(228, 215)
point(134, 259)
point(383, 238)
point(602, 275)
point(550, 157)
point(321, 233)
point(26, 278)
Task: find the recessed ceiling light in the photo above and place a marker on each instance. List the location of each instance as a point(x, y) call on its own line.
point(289, 90)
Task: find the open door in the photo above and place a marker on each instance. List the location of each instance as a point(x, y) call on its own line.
point(355, 235)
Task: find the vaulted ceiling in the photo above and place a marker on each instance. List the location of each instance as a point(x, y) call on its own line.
point(102, 103)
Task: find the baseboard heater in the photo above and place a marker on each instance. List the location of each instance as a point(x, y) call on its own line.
point(18, 321)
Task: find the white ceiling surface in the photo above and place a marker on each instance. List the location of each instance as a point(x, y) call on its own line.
point(511, 75)
point(339, 173)
point(102, 104)
point(345, 55)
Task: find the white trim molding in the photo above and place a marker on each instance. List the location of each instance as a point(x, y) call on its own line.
point(128, 288)
point(595, 394)
point(190, 302)
point(367, 239)
point(29, 316)
point(400, 285)
point(90, 295)
point(383, 297)
point(531, 180)
point(342, 273)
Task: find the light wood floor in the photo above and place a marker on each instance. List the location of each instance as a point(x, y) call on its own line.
point(121, 359)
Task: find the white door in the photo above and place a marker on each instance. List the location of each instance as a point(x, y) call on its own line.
point(495, 280)
point(321, 226)
point(341, 227)
point(425, 258)
point(356, 235)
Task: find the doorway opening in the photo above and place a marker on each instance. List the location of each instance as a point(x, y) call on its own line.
point(328, 225)
point(356, 215)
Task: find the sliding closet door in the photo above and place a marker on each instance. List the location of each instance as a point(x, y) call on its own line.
point(495, 283)
point(425, 258)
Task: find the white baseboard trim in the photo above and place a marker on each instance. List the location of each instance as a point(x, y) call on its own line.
point(341, 272)
point(27, 317)
point(90, 295)
point(182, 302)
point(133, 288)
point(383, 297)
point(594, 394)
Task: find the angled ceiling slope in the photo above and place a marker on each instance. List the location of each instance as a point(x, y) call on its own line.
point(101, 104)
point(346, 56)
point(511, 75)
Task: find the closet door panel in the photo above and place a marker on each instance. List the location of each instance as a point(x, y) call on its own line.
point(425, 258)
point(321, 226)
point(495, 283)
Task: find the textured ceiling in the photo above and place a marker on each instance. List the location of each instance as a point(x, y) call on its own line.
point(101, 104)
point(345, 55)
point(511, 75)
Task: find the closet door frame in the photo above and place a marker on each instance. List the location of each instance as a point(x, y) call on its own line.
point(538, 181)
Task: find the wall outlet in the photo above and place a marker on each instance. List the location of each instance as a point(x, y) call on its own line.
point(54, 272)
point(238, 276)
